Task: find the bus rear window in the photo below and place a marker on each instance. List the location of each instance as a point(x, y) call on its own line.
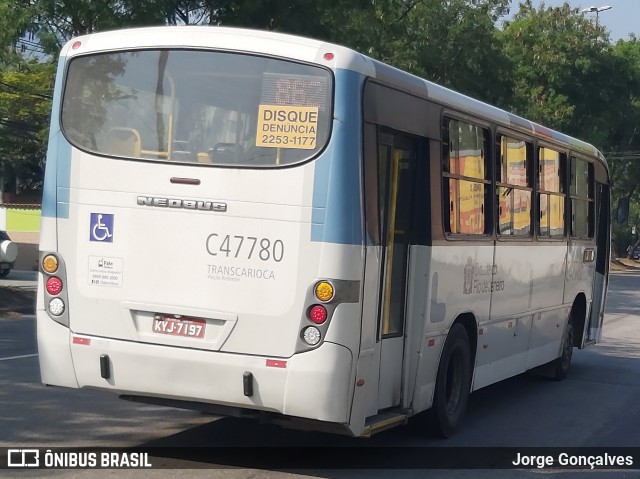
point(197, 107)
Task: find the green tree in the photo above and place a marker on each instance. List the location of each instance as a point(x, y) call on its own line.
point(457, 46)
point(57, 22)
point(453, 43)
point(624, 120)
point(623, 149)
point(14, 19)
point(569, 76)
point(561, 66)
point(25, 105)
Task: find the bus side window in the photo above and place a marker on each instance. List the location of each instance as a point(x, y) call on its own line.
point(514, 189)
point(581, 194)
point(466, 180)
point(551, 192)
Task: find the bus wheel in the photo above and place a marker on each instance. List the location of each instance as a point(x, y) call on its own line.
point(4, 273)
point(560, 366)
point(453, 383)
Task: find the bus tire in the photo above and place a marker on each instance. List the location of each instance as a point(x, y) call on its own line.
point(4, 272)
point(560, 366)
point(453, 383)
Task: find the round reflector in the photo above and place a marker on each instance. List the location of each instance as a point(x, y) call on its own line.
point(328, 56)
point(318, 314)
point(311, 336)
point(50, 263)
point(54, 285)
point(324, 291)
point(76, 45)
point(56, 306)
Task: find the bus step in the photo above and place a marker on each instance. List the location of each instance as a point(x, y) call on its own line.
point(383, 421)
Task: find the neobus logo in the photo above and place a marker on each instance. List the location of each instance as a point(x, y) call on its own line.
point(179, 203)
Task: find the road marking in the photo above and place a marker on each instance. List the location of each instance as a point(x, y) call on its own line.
point(18, 357)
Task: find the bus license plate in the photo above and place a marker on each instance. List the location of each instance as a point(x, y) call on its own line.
point(179, 326)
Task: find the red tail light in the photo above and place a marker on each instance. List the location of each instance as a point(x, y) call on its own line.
point(317, 314)
point(54, 285)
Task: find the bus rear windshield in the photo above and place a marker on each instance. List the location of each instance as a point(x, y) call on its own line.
point(190, 106)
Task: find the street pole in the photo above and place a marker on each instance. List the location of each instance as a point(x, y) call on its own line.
point(597, 11)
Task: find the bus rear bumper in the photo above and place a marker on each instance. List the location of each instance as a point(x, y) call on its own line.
point(313, 385)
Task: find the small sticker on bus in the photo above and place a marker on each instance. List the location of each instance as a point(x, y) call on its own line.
point(105, 271)
point(101, 227)
point(287, 126)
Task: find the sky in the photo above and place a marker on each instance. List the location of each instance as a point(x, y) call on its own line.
point(622, 19)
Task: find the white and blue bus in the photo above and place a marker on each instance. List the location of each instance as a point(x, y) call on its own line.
point(261, 225)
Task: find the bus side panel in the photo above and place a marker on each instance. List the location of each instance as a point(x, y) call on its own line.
point(364, 403)
point(427, 367)
point(546, 336)
point(548, 325)
point(593, 328)
point(366, 397)
point(502, 350)
point(456, 286)
point(418, 309)
point(579, 277)
point(548, 275)
point(522, 286)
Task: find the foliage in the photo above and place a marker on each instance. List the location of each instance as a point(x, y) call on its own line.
point(458, 47)
point(624, 116)
point(14, 19)
point(452, 42)
point(25, 103)
point(571, 78)
point(563, 68)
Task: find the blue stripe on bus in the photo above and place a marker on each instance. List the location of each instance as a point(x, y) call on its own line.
point(336, 214)
point(55, 190)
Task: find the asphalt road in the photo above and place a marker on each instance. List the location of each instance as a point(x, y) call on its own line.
point(22, 279)
point(595, 406)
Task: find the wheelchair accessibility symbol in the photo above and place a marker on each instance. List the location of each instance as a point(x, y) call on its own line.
point(101, 227)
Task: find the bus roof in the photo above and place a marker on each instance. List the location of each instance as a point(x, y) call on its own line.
point(313, 51)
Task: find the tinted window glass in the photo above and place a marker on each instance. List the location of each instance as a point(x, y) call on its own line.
point(514, 186)
point(581, 191)
point(198, 107)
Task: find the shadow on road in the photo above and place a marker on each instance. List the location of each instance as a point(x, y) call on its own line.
point(622, 296)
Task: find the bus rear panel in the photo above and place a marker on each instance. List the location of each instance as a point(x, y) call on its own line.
point(184, 238)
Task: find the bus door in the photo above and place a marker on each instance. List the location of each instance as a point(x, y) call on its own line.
point(600, 278)
point(396, 167)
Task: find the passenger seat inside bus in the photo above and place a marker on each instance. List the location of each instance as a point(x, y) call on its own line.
point(123, 142)
point(226, 153)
